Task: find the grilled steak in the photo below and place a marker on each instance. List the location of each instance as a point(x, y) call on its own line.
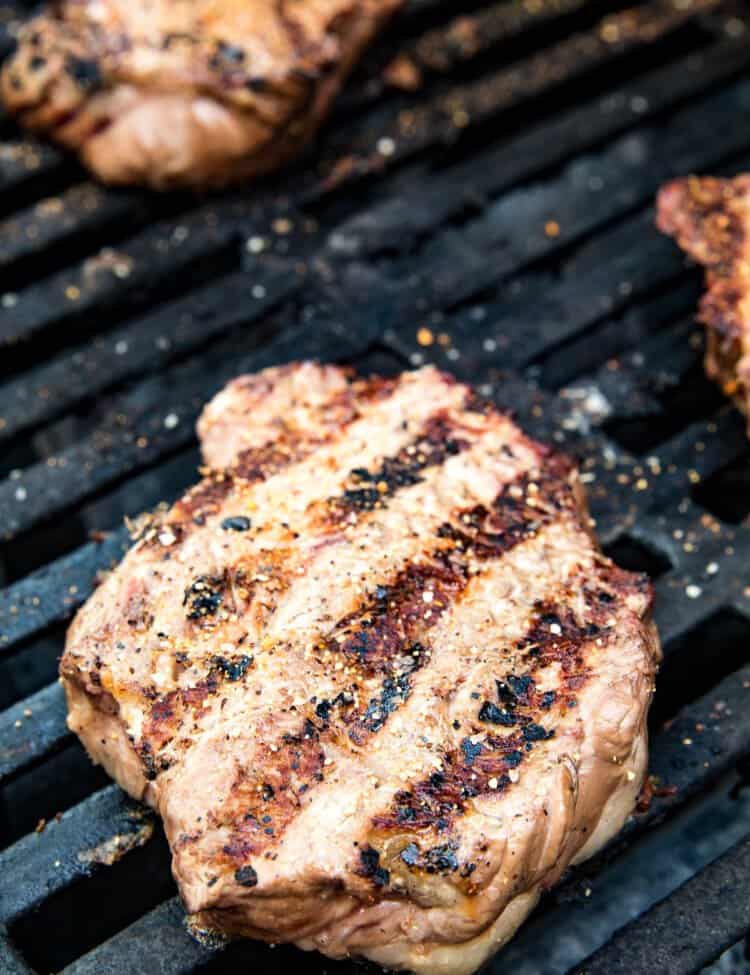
point(710, 219)
point(195, 93)
point(372, 671)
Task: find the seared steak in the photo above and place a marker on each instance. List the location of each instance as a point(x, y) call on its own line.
point(710, 219)
point(188, 93)
point(373, 671)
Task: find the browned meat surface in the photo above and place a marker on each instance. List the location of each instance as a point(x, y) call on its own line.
point(186, 92)
point(373, 671)
point(710, 220)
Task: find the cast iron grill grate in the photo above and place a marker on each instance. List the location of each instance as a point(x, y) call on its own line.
point(494, 219)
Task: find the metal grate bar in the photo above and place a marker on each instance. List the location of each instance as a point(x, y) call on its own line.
point(112, 276)
point(461, 41)
point(688, 930)
point(54, 592)
point(10, 962)
point(144, 426)
point(77, 211)
point(32, 730)
point(448, 116)
point(88, 837)
point(164, 926)
point(145, 345)
point(570, 132)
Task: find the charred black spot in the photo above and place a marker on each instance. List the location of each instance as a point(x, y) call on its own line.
point(85, 72)
point(535, 732)
point(370, 867)
point(267, 791)
point(395, 691)
point(246, 877)
point(495, 715)
point(258, 85)
point(405, 814)
point(548, 699)
point(410, 855)
point(441, 859)
point(233, 669)
point(231, 52)
point(204, 596)
point(470, 750)
point(513, 759)
point(236, 523)
point(403, 470)
point(37, 63)
point(521, 686)
point(323, 709)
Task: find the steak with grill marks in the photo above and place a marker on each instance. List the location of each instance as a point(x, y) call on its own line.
point(373, 670)
point(710, 220)
point(190, 93)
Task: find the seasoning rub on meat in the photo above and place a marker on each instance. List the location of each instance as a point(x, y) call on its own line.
point(710, 220)
point(373, 670)
point(186, 92)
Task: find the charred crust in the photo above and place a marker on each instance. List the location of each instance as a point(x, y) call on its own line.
point(204, 596)
point(484, 763)
point(246, 876)
point(437, 441)
point(369, 867)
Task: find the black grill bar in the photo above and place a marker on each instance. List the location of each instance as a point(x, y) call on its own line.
point(512, 233)
point(54, 592)
point(11, 962)
point(32, 730)
point(449, 116)
point(148, 345)
point(89, 837)
point(687, 931)
point(179, 953)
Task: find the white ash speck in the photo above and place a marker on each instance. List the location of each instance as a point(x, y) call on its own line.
point(9, 299)
point(20, 494)
point(258, 291)
point(692, 591)
point(171, 420)
point(255, 245)
point(121, 347)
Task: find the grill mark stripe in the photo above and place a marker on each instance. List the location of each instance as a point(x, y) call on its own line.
point(384, 637)
point(350, 786)
point(431, 806)
point(168, 710)
point(437, 800)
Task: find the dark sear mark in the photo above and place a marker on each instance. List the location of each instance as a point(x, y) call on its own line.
point(236, 523)
point(435, 444)
point(370, 867)
point(246, 877)
point(482, 763)
point(233, 669)
point(204, 596)
point(386, 638)
point(266, 796)
point(85, 72)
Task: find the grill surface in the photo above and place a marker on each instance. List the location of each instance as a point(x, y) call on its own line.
point(496, 221)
